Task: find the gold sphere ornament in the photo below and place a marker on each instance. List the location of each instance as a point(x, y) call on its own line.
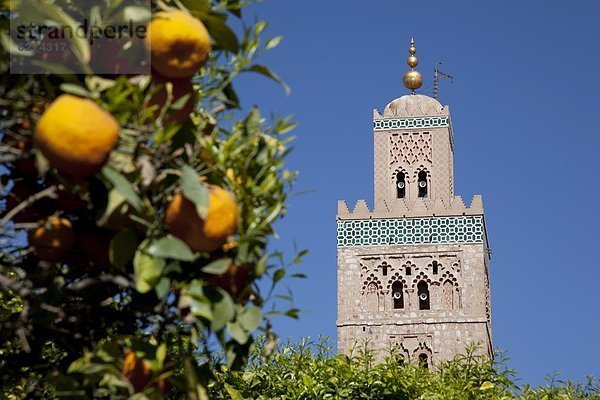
point(413, 80)
point(412, 61)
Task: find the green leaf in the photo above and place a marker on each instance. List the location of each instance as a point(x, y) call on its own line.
point(162, 287)
point(217, 267)
point(261, 266)
point(237, 332)
point(194, 190)
point(250, 318)
point(122, 248)
point(224, 311)
point(76, 90)
point(81, 46)
point(123, 186)
point(279, 274)
point(265, 71)
point(233, 393)
point(222, 34)
point(161, 353)
point(252, 121)
point(148, 270)
point(229, 96)
point(180, 102)
point(170, 247)
point(274, 42)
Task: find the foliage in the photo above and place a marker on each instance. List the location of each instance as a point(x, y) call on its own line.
point(309, 370)
point(128, 284)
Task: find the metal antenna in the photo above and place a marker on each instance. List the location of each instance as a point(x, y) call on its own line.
point(437, 74)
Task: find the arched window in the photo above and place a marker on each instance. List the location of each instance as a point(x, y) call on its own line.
point(397, 295)
point(423, 293)
point(424, 360)
point(372, 298)
point(448, 291)
point(435, 267)
point(400, 185)
point(423, 185)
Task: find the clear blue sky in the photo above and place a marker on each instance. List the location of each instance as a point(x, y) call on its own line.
point(524, 105)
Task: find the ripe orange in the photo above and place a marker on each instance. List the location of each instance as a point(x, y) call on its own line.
point(52, 239)
point(211, 233)
point(179, 44)
point(234, 281)
point(137, 371)
point(181, 88)
point(76, 135)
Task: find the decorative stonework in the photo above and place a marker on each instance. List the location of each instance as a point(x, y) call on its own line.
point(413, 242)
point(377, 232)
point(408, 123)
point(410, 148)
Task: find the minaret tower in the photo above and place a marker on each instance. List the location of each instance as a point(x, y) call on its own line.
point(413, 270)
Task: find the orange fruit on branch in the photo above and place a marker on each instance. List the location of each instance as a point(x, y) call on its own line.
point(76, 135)
point(52, 239)
point(180, 88)
point(139, 372)
point(234, 280)
point(207, 234)
point(179, 44)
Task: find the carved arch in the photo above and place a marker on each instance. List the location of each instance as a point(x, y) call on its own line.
point(423, 351)
point(372, 279)
point(421, 276)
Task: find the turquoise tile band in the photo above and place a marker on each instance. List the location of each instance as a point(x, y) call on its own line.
point(443, 230)
point(425, 122)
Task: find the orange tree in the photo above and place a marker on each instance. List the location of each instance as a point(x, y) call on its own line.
point(137, 208)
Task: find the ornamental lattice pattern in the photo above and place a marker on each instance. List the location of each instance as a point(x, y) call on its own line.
point(410, 148)
point(404, 123)
point(376, 232)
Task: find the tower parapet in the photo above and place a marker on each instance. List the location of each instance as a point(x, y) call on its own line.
point(418, 208)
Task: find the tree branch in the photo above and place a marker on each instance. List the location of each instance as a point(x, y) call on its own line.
point(48, 192)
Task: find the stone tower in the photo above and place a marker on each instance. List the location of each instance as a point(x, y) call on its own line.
point(413, 271)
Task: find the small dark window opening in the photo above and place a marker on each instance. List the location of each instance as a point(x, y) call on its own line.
point(435, 267)
point(397, 295)
point(422, 183)
point(364, 329)
point(423, 293)
point(400, 360)
point(400, 185)
point(384, 268)
point(408, 271)
point(424, 360)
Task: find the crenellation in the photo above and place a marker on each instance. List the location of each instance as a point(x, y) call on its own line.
point(401, 208)
point(343, 208)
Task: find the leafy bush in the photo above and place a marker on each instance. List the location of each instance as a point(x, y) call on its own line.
point(310, 370)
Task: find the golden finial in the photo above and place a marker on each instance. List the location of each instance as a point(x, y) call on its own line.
point(412, 79)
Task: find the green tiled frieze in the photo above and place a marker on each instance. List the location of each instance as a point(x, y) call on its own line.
point(376, 232)
point(424, 122)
